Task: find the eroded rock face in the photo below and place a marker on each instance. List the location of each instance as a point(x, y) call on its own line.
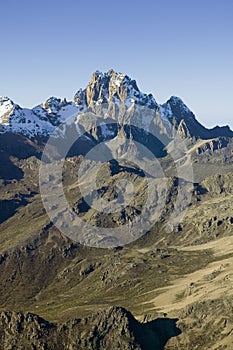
point(183, 130)
point(213, 145)
point(111, 86)
point(25, 331)
point(109, 329)
point(113, 95)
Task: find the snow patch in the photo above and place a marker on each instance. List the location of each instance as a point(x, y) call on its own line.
point(118, 79)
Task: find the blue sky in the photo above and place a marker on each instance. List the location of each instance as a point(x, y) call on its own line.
point(171, 47)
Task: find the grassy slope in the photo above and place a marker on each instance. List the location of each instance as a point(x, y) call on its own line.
point(44, 273)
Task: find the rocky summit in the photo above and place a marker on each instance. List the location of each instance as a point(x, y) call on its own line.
point(147, 171)
point(110, 90)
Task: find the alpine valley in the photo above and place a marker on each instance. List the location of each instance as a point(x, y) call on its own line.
point(165, 289)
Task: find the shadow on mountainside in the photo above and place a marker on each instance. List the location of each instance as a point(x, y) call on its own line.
point(99, 332)
point(14, 146)
point(8, 170)
point(155, 334)
point(9, 207)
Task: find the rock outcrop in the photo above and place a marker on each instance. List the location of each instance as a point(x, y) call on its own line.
point(110, 329)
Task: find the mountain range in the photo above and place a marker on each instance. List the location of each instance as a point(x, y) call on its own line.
point(72, 291)
point(112, 89)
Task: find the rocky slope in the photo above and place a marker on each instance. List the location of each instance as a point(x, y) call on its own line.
point(162, 276)
point(110, 329)
point(47, 274)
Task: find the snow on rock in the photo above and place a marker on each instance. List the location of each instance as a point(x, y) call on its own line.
point(6, 107)
point(103, 88)
point(38, 121)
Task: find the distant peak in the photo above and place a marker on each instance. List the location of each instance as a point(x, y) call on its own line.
point(110, 74)
point(97, 73)
point(117, 78)
point(6, 107)
point(53, 99)
point(5, 100)
point(54, 104)
point(177, 103)
point(112, 86)
point(175, 100)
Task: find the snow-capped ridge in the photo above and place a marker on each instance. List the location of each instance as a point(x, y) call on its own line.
point(116, 87)
point(38, 121)
point(104, 94)
point(6, 105)
point(177, 101)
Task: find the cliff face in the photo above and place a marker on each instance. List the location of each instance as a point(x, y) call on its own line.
point(25, 331)
point(110, 94)
point(109, 329)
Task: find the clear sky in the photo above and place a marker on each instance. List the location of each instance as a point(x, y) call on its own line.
point(171, 47)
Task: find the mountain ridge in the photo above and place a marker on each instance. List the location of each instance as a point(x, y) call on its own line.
point(185, 273)
point(112, 90)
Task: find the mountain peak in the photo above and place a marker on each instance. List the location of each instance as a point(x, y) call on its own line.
point(177, 101)
point(6, 107)
point(4, 99)
point(5, 102)
point(176, 107)
point(112, 89)
point(115, 86)
point(115, 77)
point(53, 104)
